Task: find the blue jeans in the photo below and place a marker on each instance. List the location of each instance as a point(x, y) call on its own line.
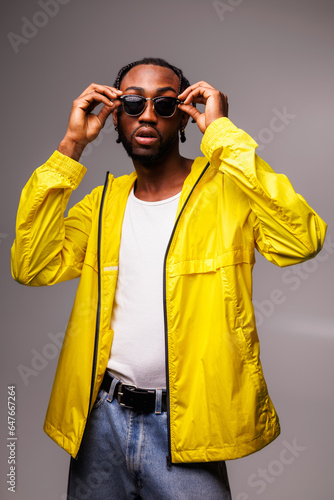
point(123, 456)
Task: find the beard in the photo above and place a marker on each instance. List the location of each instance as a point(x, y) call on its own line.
point(148, 159)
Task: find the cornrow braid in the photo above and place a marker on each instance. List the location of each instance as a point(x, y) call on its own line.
point(155, 61)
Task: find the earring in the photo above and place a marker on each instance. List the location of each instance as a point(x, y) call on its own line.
point(118, 140)
point(182, 135)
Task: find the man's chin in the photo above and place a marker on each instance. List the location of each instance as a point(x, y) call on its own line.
point(147, 159)
point(147, 156)
point(138, 154)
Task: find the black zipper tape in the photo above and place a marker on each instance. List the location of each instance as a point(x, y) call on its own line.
point(98, 312)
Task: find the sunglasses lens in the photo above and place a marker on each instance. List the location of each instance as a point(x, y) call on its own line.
point(133, 104)
point(165, 106)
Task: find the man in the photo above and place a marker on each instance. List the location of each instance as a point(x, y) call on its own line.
point(159, 380)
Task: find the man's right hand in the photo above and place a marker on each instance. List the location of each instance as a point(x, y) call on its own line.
point(84, 126)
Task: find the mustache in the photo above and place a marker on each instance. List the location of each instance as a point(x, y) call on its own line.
point(145, 127)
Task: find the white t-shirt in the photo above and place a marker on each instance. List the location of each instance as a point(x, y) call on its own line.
point(138, 351)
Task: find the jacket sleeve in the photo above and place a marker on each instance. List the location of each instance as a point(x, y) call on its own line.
point(286, 229)
point(48, 248)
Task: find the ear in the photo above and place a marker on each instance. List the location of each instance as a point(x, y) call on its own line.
point(184, 120)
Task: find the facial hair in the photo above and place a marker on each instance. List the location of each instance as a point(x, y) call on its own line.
point(147, 159)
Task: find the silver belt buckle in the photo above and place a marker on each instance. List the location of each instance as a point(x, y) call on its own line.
point(120, 394)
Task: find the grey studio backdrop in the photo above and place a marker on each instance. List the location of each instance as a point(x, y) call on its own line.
point(274, 60)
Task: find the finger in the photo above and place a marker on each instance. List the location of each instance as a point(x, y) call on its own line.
point(103, 114)
point(190, 110)
point(101, 89)
point(110, 92)
point(189, 89)
point(107, 110)
point(226, 106)
point(200, 95)
point(200, 99)
point(89, 101)
point(202, 83)
point(114, 104)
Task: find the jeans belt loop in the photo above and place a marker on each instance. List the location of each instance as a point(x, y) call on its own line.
point(113, 385)
point(158, 401)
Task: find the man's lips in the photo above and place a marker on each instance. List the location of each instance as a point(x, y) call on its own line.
point(146, 136)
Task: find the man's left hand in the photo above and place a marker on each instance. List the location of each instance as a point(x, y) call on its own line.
point(216, 104)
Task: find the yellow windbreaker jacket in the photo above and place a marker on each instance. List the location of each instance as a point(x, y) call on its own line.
point(231, 203)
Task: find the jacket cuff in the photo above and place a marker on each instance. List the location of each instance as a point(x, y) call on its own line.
point(67, 167)
point(220, 133)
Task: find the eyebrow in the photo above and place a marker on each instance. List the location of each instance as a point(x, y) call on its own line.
point(159, 89)
point(164, 89)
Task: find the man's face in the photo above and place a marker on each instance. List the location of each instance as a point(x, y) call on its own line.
point(149, 138)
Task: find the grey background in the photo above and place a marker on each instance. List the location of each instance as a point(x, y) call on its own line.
point(265, 55)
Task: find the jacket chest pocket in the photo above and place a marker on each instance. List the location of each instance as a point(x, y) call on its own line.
point(229, 258)
point(214, 293)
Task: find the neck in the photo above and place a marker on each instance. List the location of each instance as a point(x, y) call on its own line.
point(163, 179)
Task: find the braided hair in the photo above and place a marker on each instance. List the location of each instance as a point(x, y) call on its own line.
point(155, 61)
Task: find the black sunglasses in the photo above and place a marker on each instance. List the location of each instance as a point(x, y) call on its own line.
point(134, 105)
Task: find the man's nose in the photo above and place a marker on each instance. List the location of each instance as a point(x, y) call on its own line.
point(148, 115)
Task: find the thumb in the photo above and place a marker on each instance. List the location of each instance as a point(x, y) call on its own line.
point(190, 110)
point(197, 116)
point(104, 113)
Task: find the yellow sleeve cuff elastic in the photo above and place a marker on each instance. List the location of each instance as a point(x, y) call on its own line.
point(67, 167)
point(220, 133)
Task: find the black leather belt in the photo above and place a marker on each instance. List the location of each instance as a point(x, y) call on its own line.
point(133, 398)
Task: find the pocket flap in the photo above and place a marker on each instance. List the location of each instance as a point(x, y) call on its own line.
point(230, 258)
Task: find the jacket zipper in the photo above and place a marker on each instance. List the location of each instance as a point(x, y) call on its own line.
point(168, 457)
point(98, 312)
